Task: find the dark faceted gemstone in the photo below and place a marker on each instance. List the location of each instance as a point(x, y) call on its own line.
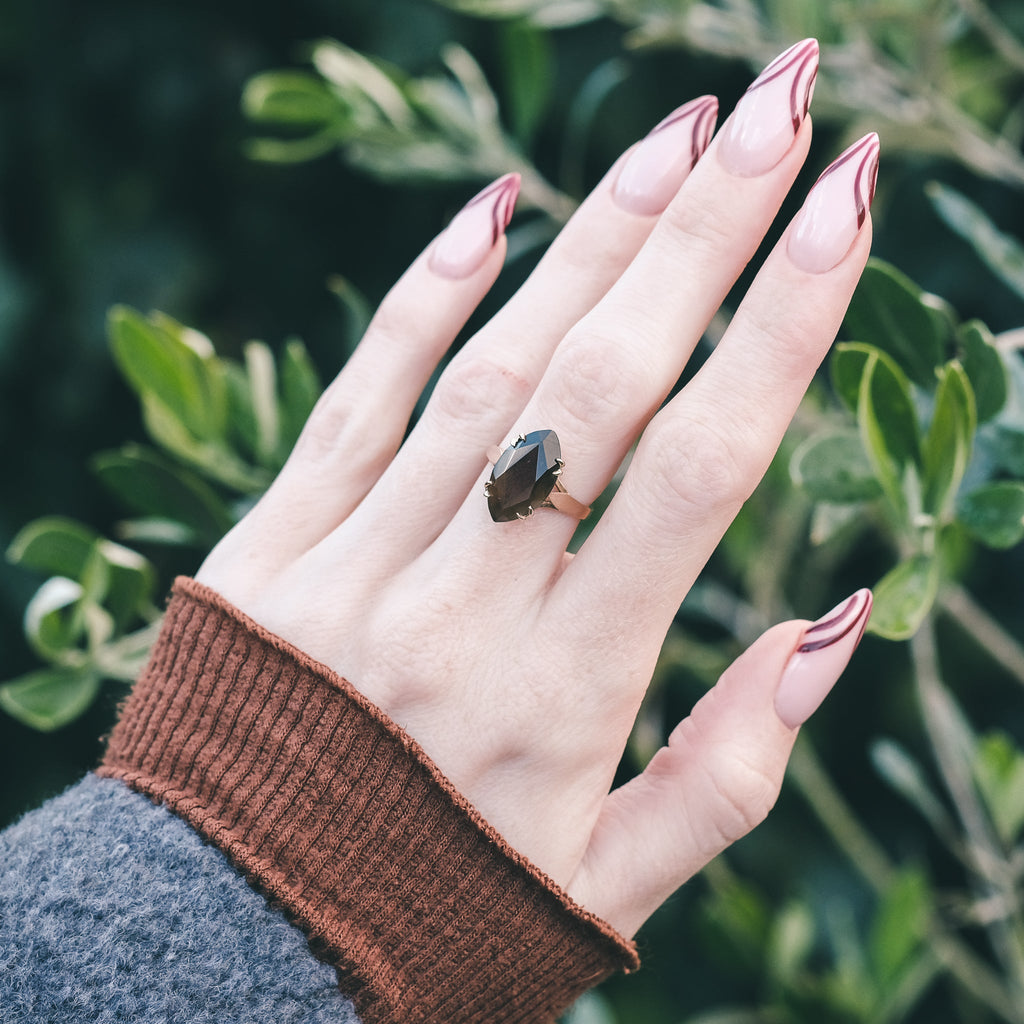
point(524, 476)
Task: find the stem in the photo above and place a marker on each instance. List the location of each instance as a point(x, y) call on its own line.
point(1000, 644)
point(999, 36)
point(951, 742)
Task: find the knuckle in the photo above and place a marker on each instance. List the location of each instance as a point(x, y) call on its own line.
point(592, 383)
point(696, 466)
point(698, 224)
point(745, 794)
point(473, 387)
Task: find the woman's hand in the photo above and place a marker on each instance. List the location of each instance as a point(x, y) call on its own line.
point(518, 668)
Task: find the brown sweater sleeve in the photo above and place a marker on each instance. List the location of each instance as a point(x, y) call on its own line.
point(339, 818)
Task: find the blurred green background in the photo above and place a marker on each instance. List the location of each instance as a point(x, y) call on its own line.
point(126, 178)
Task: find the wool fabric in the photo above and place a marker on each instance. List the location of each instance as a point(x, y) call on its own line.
point(113, 910)
point(341, 819)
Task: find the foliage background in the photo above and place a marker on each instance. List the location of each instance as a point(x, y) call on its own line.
point(124, 179)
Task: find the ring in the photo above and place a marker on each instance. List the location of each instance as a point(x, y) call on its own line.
point(525, 478)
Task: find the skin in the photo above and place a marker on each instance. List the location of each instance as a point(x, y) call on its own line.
point(516, 667)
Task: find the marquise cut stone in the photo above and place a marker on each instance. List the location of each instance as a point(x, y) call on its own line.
point(524, 476)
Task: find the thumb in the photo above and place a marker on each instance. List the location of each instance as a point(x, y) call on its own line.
point(721, 771)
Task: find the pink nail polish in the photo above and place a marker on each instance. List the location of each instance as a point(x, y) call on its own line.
point(835, 209)
point(824, 651)
point(463, 246)
point(770, 112)
point(654, 171)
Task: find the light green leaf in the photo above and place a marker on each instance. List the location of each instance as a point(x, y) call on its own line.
point(51, 697)
point(999, 774)
point(984, 367)
point(846, 368)
point(51, 626)
point(790, 942)
point(164, 368)
point(994, 513)
point(292, 98)
point(889, 311)
point(53, 545)
point(906, 776)
point(950, 439)
point(262, 377)
point(1002, 253)
point(903, 597)
point(300, 389)
point(834, 468)
point(899, 927)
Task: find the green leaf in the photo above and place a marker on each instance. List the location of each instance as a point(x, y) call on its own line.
point(262, 379)
point(527, 59)
point(1002, 253)
point(300, 390)
point(903, 597)
point(906, 776)
point(899, 927)
point(53, 545)
point(994, 513)
point(999, 774)
point(169, 366)
point(790, 942)
point(51, 697)
point(294, 98)
point(152, 486)
point(889, 311)
point(847, 368)
point(950, 439)
point(984, 367)
point(834, 468)
point(51, 624)
point(888, 424)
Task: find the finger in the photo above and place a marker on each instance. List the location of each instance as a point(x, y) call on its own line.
point(704, 453)
point(360, 419)
point(490, 380)
point(617, 364)
point(721, 771)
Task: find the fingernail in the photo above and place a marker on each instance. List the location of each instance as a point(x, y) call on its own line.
point(823, 652)
point(836, 208)
point(474, 231)
point(659, 164)
point(770, 112)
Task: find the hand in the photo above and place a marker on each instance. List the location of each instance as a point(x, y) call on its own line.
point(518, 668)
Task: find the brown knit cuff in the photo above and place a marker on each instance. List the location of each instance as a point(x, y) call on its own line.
point(341, 819)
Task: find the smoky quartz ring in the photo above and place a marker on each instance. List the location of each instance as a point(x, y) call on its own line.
point(525, 478)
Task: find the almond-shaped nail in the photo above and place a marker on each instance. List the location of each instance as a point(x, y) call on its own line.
point(474, 231)
point(835, 208)
point(661, 161)
point(769, 114)
point(824, 651)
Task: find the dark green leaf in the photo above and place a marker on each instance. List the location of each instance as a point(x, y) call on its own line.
point(834, 468)
point(888, 312)
point(888, 424)
point(300, 389)
point(1003, 254)
point(903, 597)
point(999, 773)
point(984, 367)
point(994, 513)
point(950, 438)
point(152, 486)
point(53, 545)
point(529, 76)
point(51, 697)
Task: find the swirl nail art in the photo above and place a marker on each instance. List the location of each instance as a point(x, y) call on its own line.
point(770, 112)
point(836, 208)
point(474, 231)
point(838, 624)
point(822, 653)
point(661, 161)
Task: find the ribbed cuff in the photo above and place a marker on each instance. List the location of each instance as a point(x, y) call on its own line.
point(340, 818)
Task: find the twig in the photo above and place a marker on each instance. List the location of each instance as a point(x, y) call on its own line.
point(1000, 644)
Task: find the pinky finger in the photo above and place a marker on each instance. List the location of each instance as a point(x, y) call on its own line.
point(721, 771)
point(358, 424)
